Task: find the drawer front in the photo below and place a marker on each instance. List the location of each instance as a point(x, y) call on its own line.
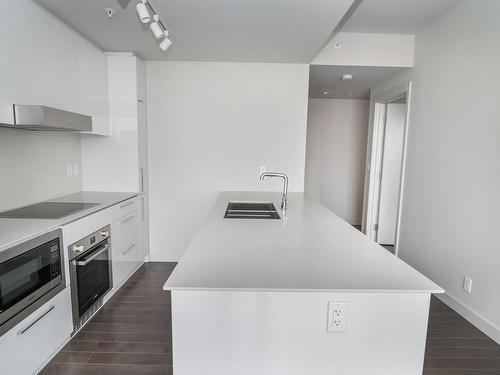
point(122, 209)
point(124, 261)
point(124, 231)
point(28, 346)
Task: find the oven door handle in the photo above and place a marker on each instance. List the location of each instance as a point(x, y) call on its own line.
point(92, 257)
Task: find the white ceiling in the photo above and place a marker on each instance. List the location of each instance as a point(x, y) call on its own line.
point(209, 30)
point(396, 16)
point(328, 77)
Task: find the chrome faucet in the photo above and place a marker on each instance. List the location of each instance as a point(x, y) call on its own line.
point(284, 198)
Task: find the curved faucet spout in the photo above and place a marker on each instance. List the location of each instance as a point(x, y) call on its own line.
point(284, 198)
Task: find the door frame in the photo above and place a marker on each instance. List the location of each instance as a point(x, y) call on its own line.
point(371, 197)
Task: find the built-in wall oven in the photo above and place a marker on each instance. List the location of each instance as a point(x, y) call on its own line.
point(90, 274)
point(30, 274)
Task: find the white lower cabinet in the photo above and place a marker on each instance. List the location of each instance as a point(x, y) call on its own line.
point(125, 262)
point(124, 231)
point(127, 254)
point(29, 345)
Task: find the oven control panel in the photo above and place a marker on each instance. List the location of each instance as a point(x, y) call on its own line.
point(88, 242)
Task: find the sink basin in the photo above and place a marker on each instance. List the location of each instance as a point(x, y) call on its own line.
point(251, 210)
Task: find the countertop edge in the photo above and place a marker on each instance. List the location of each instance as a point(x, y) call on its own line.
point(291, 290)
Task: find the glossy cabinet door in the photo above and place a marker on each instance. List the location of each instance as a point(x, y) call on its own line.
point(125, 151)
point(127, 252)
point(124, 231)
point(125, 263)
point(28, 346)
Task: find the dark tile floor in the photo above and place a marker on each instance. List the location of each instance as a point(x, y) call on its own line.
point(132, 335)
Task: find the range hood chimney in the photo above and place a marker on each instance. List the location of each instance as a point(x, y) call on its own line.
point(39, 117)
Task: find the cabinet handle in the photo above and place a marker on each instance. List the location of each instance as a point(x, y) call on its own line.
point(128, 249)
point(142, 208)
point(127, 219)
point(83, 263)
point(36, 320)
point(126, 204)
point(141, 173)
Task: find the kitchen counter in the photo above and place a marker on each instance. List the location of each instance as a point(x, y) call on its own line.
point(310, 249)
point(15, 231)
point(308, 294)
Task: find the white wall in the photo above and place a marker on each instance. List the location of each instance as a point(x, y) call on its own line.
point(336, 148)
point(451, 206)
point(42, 61)
point(210, 127)
point(363, 49)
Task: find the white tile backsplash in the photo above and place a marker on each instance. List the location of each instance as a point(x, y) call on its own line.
point(34, 166)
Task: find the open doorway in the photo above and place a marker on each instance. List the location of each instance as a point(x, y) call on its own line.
point(385, 167)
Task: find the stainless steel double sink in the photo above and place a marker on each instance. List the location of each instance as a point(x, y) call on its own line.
point(251, 210)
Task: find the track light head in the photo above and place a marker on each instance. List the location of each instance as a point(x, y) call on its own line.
point(165, 43)
point(156, 28)
point(142, 11)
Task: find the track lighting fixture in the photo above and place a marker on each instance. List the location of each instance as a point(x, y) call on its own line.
point(144, 11)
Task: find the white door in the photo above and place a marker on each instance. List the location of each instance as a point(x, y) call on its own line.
point(391, 172)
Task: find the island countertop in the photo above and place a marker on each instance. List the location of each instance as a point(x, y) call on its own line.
point(309, 249)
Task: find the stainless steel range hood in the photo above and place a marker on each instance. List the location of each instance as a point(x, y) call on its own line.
point(39, 117)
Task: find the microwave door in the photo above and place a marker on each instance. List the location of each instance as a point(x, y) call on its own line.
point(27, 275)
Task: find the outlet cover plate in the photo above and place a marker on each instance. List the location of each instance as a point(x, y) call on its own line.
point(337, 316)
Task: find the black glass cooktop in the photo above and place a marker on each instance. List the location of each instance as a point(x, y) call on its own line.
point(46, 210)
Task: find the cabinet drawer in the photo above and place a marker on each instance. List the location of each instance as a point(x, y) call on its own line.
point(124, 231)
point(124, 261)
point(122, 209)
point(27, 346)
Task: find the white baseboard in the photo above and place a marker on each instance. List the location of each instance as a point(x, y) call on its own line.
point(476, 319)
point(164, 257)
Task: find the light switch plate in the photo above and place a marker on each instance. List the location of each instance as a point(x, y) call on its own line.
point(69, 170)
point(468, 284)
point(337, 316)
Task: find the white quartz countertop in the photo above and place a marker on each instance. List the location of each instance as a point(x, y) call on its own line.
point(15, 231)
point(310, 249)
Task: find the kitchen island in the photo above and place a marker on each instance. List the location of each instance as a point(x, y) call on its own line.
point(259, 296)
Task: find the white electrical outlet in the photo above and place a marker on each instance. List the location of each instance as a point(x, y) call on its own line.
point(76, 169)
point(337, 316)
point(263, 169)
point(69, 170)
point(468, 284)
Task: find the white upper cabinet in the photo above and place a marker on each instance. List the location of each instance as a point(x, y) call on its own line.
point(44, 62)
point(124, 152)
point(93, 90)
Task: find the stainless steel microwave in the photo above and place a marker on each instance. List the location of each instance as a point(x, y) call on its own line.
point(31, 273)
